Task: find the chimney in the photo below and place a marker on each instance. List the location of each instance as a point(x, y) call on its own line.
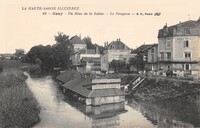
point(107, 43)
point(198, 20)
point(104, 44)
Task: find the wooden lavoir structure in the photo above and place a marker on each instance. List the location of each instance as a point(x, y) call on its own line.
point(91, 91)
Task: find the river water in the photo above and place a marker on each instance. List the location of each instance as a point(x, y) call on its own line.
point(59, 111)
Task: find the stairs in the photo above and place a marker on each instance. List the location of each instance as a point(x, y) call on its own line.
point(135, 83)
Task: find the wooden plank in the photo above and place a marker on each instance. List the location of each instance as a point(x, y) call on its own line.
point(96, 81)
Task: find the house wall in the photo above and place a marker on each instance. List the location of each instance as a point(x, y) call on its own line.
point(152, 54)
point(104, 62)
point(88, 101)
point(90, 55)
point(180, 49)
point(107, 100)
point(78, 47)
point(117, 54)
point(165, 45)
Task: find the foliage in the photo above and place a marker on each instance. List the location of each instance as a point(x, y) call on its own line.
point(35, 70)
point(1, 67)
point(19, 53)
point(18, 107)
point(48, 57)
point(137, 62)
point(117, 65)
point(90, 45)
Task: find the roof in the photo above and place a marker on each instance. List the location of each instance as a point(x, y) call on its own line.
point(78, 87)
point(178, 29)
point(68, 75)
point(77, 40)
point(106, 92)
point(143, 48)
point(118, 45)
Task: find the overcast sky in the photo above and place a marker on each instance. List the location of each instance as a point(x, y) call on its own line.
point(26, 28)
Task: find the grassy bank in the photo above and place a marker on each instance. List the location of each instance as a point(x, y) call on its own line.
point(156, 89)
point(18, 107)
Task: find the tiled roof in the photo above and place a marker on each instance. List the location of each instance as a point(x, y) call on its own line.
point(172, 30)
point(142, 48)
point(77, 85)
point(118, 45)
point(77, 40)
point(106, 92)
point(68, 75)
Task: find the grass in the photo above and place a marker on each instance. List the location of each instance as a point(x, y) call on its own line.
point(18, 107)
point(13, 64)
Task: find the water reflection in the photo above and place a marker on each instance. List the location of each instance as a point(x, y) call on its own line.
point(60, 111)
point(176, 113)
point(103, 116)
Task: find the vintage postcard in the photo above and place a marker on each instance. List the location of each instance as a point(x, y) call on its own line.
point(99, 64)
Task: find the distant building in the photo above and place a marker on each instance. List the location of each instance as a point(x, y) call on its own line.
point(78, 43)
point(152, 58)
point(149, 56)
point(116, 50)
point(179, 46)
point(87, 60)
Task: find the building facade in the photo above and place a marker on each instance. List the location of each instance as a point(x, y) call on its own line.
point(179, 46)
point(152, 58)
point(116, 50)
point(78, 43)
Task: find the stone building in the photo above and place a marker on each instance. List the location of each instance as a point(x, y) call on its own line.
point(179, 46)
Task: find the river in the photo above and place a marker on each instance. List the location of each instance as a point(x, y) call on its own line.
point(59, 111)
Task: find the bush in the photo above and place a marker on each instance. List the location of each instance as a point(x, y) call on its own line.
point(35, 70)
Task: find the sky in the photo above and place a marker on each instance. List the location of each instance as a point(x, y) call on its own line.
point(24, 29)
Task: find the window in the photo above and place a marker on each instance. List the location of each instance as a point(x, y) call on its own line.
point(187, 67)
point(187, 55)
point(152, 50)
point(186, 44)
point(187, 31)
point(113, 46)
point(168, 55)
point(168, 44)
point(183, 67)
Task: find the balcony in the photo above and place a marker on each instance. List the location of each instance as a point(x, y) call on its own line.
point(183, 60)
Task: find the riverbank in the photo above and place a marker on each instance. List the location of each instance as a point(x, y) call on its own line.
point(159, 88)
point(18, 106)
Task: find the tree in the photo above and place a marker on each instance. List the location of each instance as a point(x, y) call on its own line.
point(117, 65)
point(1, 67)
point(90, 45)
point(19, 53)
point(88, 42)
point(137, 62)
point(62, 50)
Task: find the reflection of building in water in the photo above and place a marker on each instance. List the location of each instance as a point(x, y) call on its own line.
point(169, 115)
point(102, 116)
point(106, 122)
point(105, 115)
